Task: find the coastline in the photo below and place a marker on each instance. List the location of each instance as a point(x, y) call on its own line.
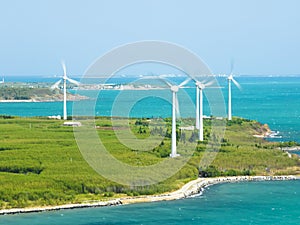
point(44, 100)
point(189, 189)
point(293, 148)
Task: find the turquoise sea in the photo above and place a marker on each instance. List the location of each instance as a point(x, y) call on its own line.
point(271, 100)
point(275, 202)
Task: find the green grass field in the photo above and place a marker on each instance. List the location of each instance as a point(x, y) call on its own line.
point(40, 163)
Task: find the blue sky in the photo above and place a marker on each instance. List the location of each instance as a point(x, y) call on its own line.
point(262, 36)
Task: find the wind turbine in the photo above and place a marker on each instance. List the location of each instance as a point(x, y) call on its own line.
point(200, 86)
point(230, 78)
point(175, 108)
point(64, 79)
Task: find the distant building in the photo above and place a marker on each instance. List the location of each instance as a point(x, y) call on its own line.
point(55, 117)
point(187, 128)
point(72, 124)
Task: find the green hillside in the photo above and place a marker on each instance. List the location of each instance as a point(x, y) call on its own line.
point(40, 163)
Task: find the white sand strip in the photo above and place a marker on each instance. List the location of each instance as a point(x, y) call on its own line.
point(189, 189)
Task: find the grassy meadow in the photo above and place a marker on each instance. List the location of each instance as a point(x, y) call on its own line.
point(40, 163)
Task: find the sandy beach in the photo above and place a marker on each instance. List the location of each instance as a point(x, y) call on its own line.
point(191, 188)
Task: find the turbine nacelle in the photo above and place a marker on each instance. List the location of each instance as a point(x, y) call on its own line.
point(174, 88)
point(64, 79)
point(200, 85)
point(203, 84)
point(230, 77)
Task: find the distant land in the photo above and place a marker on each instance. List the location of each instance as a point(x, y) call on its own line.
point(33, 93)
point(51, 78)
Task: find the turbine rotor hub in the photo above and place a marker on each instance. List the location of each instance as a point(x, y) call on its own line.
point(174, 88)
point(201, 86)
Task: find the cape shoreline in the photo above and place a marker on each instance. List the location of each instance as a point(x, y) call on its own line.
point(188, 190)
point(75, 98)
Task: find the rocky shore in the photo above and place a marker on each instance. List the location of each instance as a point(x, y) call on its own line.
point(192, 188)
point(54, 98)
point(293, 148)
point(60, 207)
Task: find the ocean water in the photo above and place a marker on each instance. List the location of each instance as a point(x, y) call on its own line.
point(271, 100)
point(265, 202)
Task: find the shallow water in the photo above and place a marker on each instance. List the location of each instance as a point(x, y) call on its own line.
point(265, 202)
point(271, 100)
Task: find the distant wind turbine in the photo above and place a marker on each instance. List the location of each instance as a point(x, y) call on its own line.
point(200, 86)
point(64, 79)
point(175, 109)
point(230, 78)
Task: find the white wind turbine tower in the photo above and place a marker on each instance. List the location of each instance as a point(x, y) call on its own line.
point(175, 108)
point(64, 79)
point(200, 86)
point(230, 78)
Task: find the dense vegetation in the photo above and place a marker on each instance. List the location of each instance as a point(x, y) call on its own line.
point(40, 163)
point(31, 93)
point(24, 93)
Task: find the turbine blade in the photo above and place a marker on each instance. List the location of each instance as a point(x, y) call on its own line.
point(209, 83)
point(194, 79)
point(236, 84)
point(164, 80)
point(73, 81)
point(231, 66)
point(184, 82)
point(54, 86)
point(64, 68)
point(204, 81)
